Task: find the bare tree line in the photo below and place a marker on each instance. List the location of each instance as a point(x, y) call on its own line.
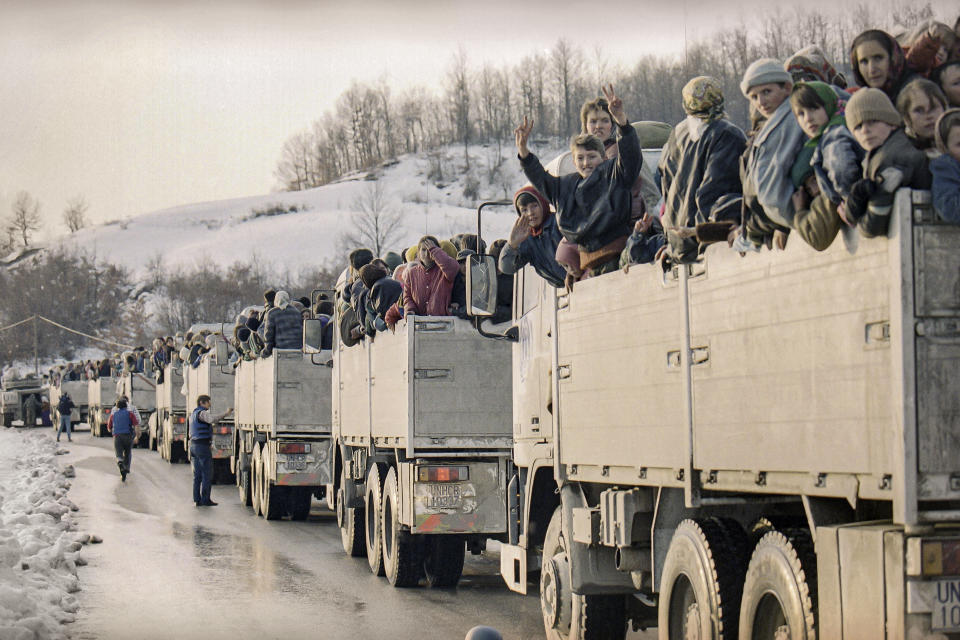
point(371, 124)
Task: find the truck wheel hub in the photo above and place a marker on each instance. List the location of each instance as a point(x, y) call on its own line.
point(692, 623)
point(341, 509)
point(555, 597)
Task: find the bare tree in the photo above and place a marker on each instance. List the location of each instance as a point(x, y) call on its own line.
point(458, 95)
point(24, 219)
point(75, 215)
point(376, 225)
point(566, 62)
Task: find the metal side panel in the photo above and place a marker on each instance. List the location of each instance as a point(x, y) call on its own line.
point(390, 364)
point(302, 392)
point(791, 362)
point(243, 393)
point(354, 390)
point(219, 386)
point(77, 391)
point(619, 383)
point(462, 382)
point(263, 391)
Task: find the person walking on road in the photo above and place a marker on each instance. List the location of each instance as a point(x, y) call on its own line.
point(64, 407)
point(202, 422)
point(122, 424)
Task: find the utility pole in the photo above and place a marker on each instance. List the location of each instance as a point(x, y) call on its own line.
point(36, 361)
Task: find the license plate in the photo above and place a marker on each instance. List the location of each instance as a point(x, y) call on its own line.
point(444, 496)
point(946, 605)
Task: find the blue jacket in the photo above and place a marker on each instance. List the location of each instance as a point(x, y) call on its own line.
point(284, 329)
point(539, 251)
point(121, 422)
point(837, 163)
point(65, 405)
point(199, 430)
point(946, 187)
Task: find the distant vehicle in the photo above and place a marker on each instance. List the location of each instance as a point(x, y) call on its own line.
point(78, 393)
point(16, 393)
point(167, 427)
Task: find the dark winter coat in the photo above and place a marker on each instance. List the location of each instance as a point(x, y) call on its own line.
point(898, 164)
point(837, 163)
point(384, 293)
point(595, 211)
point(539, 251)
point(696, 170)
point(946, 187)
point(284, 329)
point(65, 406)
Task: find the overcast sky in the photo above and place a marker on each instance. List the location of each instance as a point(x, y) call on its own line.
point(143, 105)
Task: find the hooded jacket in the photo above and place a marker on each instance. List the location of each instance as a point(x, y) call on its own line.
point(595, 211)
point(770, 157)
point(540, 247)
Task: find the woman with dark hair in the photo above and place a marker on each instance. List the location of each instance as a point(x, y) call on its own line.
point(878, 62)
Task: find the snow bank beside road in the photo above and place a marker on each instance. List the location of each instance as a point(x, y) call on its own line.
point(39, 546)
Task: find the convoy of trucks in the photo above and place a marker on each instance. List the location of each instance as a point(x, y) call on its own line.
point(759, 446)
point(101, 396)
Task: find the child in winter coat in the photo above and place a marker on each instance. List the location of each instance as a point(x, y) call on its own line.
point(921, 103)
point(831, 155)
point(767, 188)
point(891, 162)
point(946, 167)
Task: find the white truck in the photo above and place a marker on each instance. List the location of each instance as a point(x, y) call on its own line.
point(168, 424)
point(141, 392)
point(281, 453)
point(212, 378)
point(421, 421)
point(756, 448)
point(78, 393)
point(101, 396)
point(14, 398)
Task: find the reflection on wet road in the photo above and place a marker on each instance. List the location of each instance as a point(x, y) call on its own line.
point(167, 569)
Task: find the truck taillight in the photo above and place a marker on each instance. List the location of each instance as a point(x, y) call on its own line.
point(106, 412)
point(222, 430)
point(941, 557)
point(443, 474)
point(181, 420)
point(293, 447)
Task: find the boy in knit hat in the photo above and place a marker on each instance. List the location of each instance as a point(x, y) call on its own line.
point(891, 162)
point(767, 187)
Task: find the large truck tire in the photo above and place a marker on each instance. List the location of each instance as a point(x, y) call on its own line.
point(351, 522)
point(443, 560)
point(8, 420)
point(780, 588)
point(567, 615)
point(271, 496)
point(401, 557)
point(299, 500)
point(255, 485)
point(702, 582)
point(243, 487)
point(371, 506)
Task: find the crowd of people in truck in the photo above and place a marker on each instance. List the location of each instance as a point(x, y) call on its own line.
point(821, 154)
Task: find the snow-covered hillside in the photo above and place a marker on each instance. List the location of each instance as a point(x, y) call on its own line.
point(228, 231)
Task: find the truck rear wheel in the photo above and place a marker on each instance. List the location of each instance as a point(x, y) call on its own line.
point(567, 615)
point(779, 592)
point(701, 583)
point(351, 522)
point(271, 496)
point(401, 560)
point(255, 480)
point(443, 560)
point(299, 500)
point(371, 506)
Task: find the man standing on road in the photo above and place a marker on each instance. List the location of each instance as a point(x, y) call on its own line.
point(202, 422)
point(121, 424)
point(64, 407)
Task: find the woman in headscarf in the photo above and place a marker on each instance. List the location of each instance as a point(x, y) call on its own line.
point(810, 64)
point(700, 163)
point(878, 62)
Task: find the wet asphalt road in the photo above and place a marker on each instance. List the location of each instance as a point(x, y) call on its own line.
point(167, 569)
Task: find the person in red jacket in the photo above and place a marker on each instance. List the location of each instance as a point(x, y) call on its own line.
point(429, 281)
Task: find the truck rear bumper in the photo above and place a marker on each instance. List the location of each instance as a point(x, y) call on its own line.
point(476, 505)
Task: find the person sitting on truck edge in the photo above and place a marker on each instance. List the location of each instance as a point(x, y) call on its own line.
point(429, 281)
point(593, 205)
point(828, 165)
point(699, 164)
point(64, 407)
point(878, 62)
point(201, 426)
point(122, 424)
point(767, 187)
point(891, 162)
point(458, 295)
point(369, 274)
point(595, 119)
point(921, 103)
point(284, 326)
point(946, 167)
point(533, 239)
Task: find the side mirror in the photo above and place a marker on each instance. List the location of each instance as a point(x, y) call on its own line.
point(312, 335)
point(481, 280)
point(222, 354)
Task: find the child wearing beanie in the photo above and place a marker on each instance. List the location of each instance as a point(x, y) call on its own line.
point(891, 162)
point(831, 157)
point(946, 167)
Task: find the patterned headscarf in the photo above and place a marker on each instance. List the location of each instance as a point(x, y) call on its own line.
point(703, 98)
point(810, 63)
point(898, 72)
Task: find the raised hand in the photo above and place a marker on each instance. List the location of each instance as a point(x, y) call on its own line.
point(522, 133)
point(615, 104)
point(519, 232)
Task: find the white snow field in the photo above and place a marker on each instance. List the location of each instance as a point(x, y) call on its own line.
point(39, 546)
